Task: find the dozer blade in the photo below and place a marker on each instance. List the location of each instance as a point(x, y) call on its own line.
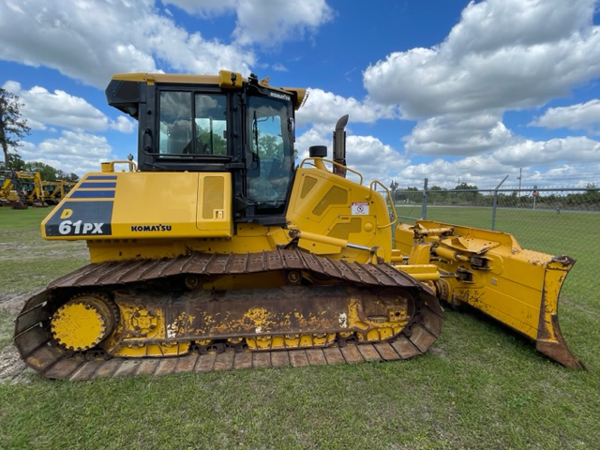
point(489, 271)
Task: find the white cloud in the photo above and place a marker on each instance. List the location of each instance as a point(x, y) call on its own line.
point(91, 41)
point(492, 25)
point(458, 134)
point(326, 108)
point(279, 67)
point(481, 169)
point(265, 22)
point(574, 175)
point(123, 124)
point(502, 54)
point(582, 116)
point(317, 135)
point(42, 108)
point(366, 154)
point(531, 153)
point(72, 152)
point(204, 8)
point(376, 160)
point(270, 23)
point(534, 156)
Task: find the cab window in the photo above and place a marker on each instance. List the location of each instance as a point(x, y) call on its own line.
point(193, 124)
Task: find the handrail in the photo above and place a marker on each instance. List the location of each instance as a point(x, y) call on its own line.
point(395, 216)
point(335, 164)
point(109, 166)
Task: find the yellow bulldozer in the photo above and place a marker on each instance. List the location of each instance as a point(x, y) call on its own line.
point(216, 243)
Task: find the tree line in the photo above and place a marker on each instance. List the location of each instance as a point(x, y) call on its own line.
point(12, 129)
point(47, 172)
point(470, 195)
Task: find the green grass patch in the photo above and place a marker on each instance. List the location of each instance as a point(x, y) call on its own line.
point(12, 219)
point(480, 386)
point(27, 262)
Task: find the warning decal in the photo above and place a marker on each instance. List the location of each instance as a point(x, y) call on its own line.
point(360, 208)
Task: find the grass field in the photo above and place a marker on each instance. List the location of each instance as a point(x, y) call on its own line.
point(481, 386)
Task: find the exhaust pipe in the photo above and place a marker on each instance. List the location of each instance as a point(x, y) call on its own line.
point(339, 146)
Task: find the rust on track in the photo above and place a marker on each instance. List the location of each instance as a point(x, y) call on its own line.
point(37, 348)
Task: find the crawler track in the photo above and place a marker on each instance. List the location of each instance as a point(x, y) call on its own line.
point(37, 348)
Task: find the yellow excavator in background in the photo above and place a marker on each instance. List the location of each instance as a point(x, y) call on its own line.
point(33, 186)
point(12, 192)
point(21, 189)
point(216, 240)
point(54, 191)
point(67, 186)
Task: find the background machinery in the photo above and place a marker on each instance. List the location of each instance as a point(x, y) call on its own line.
point(215, 239)
point(33, 186)
point(54, 191)
point(12, 192)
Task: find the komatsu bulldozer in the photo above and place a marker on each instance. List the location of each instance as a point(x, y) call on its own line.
point(215, 243)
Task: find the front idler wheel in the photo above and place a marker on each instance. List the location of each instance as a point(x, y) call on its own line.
point(84, 321)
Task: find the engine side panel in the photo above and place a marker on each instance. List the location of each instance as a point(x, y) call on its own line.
point(144, 205)
point(326, 204)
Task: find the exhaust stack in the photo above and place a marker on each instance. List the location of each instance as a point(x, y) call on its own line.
point(339, 146)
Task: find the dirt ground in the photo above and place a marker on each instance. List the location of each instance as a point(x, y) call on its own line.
point(12, 368)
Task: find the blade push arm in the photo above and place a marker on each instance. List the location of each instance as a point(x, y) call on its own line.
point(489, 271)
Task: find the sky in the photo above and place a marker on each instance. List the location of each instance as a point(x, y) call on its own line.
point(453, 91)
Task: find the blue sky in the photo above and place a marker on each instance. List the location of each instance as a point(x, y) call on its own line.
point(434, 88)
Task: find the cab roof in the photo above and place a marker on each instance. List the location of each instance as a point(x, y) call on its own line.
point(225, 80)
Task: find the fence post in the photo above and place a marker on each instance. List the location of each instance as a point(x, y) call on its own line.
point(495, 203)
point(424, 205)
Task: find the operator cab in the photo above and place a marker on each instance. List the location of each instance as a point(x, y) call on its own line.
point(222, 123)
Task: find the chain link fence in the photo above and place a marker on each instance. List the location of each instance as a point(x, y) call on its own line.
point(557, 220)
